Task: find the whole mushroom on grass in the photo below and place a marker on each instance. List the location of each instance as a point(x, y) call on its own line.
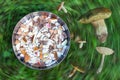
point(81, 42)
point(104, 51)
point(96, 17)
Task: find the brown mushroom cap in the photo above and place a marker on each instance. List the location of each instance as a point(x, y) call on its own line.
point(104, 50)
point(95, 14)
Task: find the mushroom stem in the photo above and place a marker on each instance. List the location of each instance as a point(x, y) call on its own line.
point(101, 30)
point(81, 45)
point(64, 9)
point(72, 73)
point(101, 65)
point(61, 6)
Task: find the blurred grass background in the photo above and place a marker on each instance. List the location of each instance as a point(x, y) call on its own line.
point(87, 58)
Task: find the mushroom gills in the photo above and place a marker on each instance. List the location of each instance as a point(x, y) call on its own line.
point(101, 30)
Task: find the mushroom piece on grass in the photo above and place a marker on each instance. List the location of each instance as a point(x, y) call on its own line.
point(78, 40)
point(61, 6)
point(104, 51)
point(81, 43)
point(74, 71)
point(96, 17)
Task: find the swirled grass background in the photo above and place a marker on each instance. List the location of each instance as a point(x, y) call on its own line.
point(87, 58)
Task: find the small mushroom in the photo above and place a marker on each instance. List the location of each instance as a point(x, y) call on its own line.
point(96, 17)
point(81, 43)
point(61, 6)
point(74, 71)
point(104, 51)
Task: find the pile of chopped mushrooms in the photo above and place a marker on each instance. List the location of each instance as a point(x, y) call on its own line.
point(41, 40)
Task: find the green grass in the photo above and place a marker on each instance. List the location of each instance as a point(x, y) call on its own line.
point(87, 57)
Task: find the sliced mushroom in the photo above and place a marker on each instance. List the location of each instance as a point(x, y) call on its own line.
point(41, 55)
point(96, 17)
point(17, 41)
point(27, 57)
point(104, 51)
point(55, 55)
